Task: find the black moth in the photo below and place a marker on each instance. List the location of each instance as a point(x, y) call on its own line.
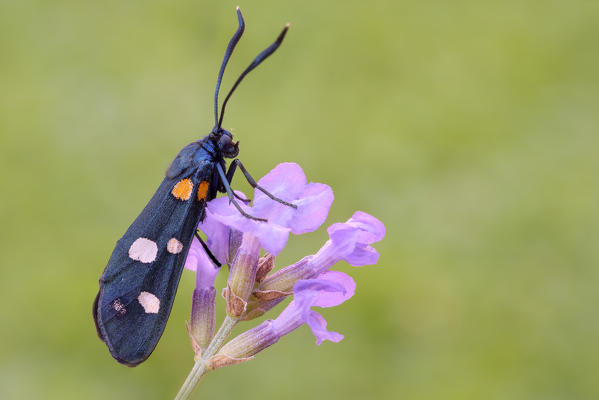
point(139, 283)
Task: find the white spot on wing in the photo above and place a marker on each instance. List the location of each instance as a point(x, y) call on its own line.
point(174, 246)
point(143, 250)
point(149, 302)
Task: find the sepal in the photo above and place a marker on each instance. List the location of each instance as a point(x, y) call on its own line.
point(221, 360)
point(242, 277)
point(265, 264)
point(236, 306)
point(250, 342)
point(197, 350)
point(267, 295)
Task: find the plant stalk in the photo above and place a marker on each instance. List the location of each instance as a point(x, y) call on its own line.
point(200, 367)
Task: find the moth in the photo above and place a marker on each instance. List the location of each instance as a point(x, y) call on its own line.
point(138, 286)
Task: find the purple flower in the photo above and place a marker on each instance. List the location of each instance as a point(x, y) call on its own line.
point(225, 225)
point(286, 181)
point(328, 290)
point(251, 290)
point(350, 241)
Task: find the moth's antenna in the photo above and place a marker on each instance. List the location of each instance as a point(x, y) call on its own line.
point(259, 58)
point(228, 52)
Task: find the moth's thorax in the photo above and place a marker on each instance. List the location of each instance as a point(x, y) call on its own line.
point(194, 156)
point(206, 150)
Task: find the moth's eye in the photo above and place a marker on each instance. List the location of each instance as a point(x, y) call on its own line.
point(225, 141)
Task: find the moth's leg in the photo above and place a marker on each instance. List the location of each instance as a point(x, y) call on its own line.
point(207, 250)
point(221, 186)
point(231, 195)
point(252, 182)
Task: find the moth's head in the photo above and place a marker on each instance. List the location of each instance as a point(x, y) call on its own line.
point(223, 141)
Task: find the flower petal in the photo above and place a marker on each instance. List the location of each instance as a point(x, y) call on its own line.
point(372, 229)
point(312, 208)
point(344, 238)
point(309, 292)
point(331, 288)
point(217, 235)
point(198, 261)
point(318, 326)
point(272, 237)
point(193, 256)
point(362, 255)
point(334, 298)
point(286, 180)
point(225, 213)
point(352, 239)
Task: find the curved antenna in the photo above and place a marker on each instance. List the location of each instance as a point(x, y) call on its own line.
point(228, 52)
point(259, 58)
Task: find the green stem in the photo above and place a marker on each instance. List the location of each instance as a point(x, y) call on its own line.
point(199, 368)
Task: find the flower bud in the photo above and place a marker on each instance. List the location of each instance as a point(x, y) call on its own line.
point(235, 238)
point(250, 342)
point(202, 321)
point(242, 276)
point(203, 315)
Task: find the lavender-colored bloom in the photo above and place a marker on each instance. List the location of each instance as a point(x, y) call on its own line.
point(350, 241)
point(309, 279)
point(251, 290)
point(328, 290)
point(286, 181)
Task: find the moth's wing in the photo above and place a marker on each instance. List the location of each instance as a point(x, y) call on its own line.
point(139, 283)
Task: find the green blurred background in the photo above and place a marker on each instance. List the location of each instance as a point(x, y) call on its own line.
point(468, 127)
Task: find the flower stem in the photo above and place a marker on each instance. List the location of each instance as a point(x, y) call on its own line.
point(200, 366)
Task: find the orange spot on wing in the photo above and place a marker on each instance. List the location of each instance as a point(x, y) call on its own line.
point(203, 190)
point(182, 190)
